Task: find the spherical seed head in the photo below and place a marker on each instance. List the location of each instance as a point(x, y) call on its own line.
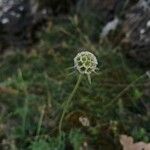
point(85, 62)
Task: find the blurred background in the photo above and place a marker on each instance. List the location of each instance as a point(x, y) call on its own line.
point(38, 41)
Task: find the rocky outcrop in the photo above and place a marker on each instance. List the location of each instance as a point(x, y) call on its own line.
point(17, 19)
point(20, 19)
point(136, 28)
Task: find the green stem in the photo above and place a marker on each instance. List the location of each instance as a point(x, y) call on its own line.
point(40, 122)
point(25, 115)
point(68, 101)
point(25, 109)
point(123, 92)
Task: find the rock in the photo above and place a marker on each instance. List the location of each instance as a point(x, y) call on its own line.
point(20, 19)
point(110, 26)
point(17, 19)
point(136, 28)
point(128, 144)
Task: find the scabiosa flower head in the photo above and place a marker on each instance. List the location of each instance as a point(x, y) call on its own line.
point(85, 62)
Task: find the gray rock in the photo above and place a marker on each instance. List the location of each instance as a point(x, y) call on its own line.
point(137, 32)
point(17, 19)
point(20, 19)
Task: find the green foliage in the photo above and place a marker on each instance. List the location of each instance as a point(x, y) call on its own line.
point(40, 145)
point(51, 144)
point(76, 139)
point(46, 80)
point(140, 134)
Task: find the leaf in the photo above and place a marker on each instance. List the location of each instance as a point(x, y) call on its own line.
point(40, 145)
point(137, 94)
point(128, 144)
point(89, 78)
point(77, 138)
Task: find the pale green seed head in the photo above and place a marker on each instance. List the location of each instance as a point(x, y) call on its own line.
point(85, 62)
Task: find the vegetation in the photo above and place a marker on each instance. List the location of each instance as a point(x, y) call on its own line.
point(34, 87)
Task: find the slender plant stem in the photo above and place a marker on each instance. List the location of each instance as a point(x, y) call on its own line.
point(25, 115)
point(68, 102)
point(25, 109)
point(123, 91)
point(40, 122)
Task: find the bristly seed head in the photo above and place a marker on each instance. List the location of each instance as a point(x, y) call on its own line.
point(85, 62)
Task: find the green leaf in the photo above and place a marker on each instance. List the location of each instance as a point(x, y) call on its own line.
point(40, 145)
point(89, 79)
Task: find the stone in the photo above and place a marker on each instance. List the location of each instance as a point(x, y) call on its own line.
point(17, 19)
point(136, 28)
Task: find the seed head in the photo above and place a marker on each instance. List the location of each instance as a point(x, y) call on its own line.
point(85, 62)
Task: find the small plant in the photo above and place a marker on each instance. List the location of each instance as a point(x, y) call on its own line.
point(140, 134)
point(77, 138)
point(86, 63)
point(23, 86)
